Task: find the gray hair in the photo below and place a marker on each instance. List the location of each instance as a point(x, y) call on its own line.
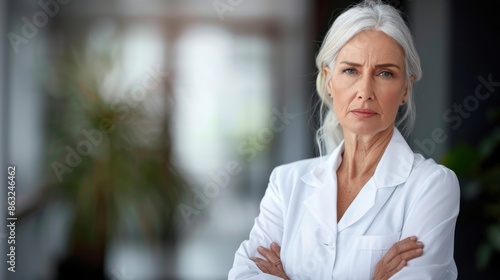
point(367, 15)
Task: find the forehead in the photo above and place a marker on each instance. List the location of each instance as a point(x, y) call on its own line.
point(374, 46)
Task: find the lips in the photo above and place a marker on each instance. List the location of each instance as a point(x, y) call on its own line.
point(364, 113)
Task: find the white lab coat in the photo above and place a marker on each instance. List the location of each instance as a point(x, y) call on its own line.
point(407, 195)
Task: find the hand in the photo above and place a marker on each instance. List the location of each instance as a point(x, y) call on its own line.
point(397, 257)
point(272, 265)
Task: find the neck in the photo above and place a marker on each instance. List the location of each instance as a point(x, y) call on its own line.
point(363, 152)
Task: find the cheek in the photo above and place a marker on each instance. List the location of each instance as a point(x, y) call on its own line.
point(343, 94)
point(390, 103)
point(341, 104)
point(343, 82)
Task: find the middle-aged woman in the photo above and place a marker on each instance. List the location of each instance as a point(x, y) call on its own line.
point(370, 208)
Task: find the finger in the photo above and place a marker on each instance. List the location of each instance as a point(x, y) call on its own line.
point(398, 256)
point(400, 266)
point(403, 250)
point(409, 255)
point(269, 268)
point(263, 265)
point(398, 262)
point(275, 248)
point(386, 271)
point(270, 255)
point(278, 265)
point(407, 244)
point(403, 246)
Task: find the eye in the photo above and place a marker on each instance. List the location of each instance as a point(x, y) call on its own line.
point(386, 74)
point(350, 71)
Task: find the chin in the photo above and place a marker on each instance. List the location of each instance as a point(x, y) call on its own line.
point(366, 129)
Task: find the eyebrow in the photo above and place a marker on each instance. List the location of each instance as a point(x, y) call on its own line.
point(377, 66)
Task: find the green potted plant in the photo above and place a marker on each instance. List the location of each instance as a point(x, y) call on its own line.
point(478, 170)
point(109, 161)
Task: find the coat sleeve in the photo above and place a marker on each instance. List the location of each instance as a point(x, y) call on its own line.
point(432, 217)
point(267, 228)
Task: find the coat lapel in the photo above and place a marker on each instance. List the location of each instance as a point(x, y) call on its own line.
point(364, 201)
point(392, 170)
point(322, 203)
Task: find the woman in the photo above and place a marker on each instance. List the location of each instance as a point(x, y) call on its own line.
point(370, 208)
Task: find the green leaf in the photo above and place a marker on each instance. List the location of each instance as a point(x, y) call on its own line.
point(483, 256)
point(489, 143)
point(471, 190)
point(494, 236)
point(463, 159)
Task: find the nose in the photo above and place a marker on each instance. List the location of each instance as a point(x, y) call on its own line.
point(365, 89)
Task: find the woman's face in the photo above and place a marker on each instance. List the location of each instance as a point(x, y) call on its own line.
point(368, 83)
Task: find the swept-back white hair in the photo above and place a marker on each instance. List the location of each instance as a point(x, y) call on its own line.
point(367, 15)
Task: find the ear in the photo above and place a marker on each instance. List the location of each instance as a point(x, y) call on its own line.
point(326, 74)
point(408, 86)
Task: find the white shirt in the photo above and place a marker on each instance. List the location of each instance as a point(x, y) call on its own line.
point(407, 195)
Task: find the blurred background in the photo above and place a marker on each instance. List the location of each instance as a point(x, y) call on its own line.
point(143, 132)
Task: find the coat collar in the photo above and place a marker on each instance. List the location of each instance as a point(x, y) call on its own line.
point(392, 170)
